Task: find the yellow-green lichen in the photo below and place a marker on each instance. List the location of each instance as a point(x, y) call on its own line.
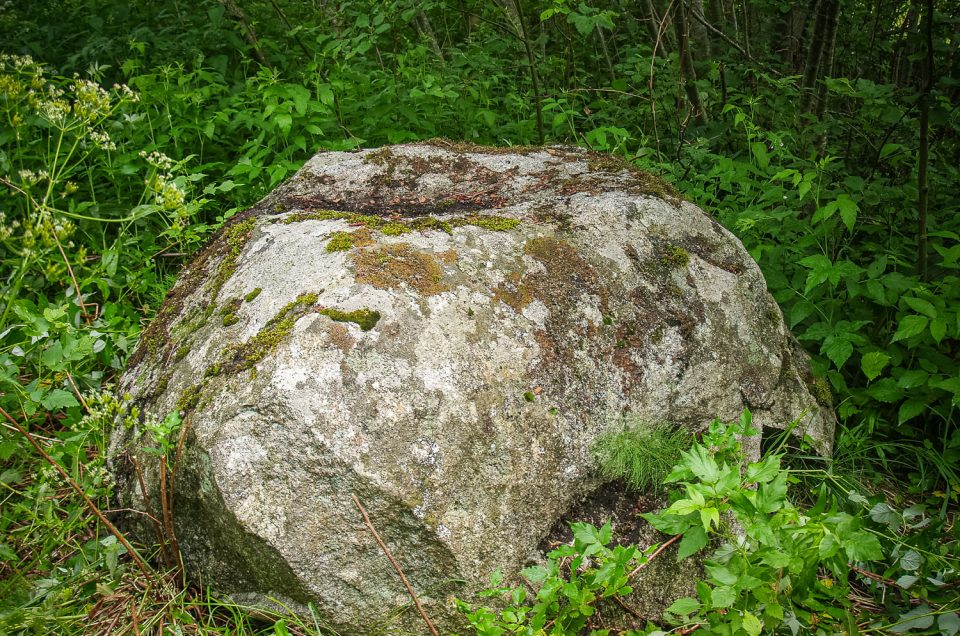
point(235, 236)
point(366, 319)
point(488, 222)
point(252, 294)
point(340, 242)
point(395, 228)
point(674, 256)
point(398, 265)
point(244, 356)
point(189, 398)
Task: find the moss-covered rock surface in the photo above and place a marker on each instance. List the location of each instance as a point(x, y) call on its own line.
point(442, 331)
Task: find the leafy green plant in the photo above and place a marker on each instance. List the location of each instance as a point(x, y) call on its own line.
point(574, 578)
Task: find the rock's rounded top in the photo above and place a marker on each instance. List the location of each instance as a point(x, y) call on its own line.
point(441, 177)
point(444, 331)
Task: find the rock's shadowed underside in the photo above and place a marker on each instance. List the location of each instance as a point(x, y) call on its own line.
point(442, 331)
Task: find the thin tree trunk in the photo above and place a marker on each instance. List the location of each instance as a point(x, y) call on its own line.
point(826, 62)
point(606, 54)
point(746, 28)
point(697, 30)
point(653, 23)
point(903, 66)
point(923, 187)
point(827, 12)
point(422, 23)
point(249, 34)
point(688, 74)
point(518, 16)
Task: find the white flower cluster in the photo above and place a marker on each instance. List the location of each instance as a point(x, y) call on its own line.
point(158, 160)
point(90, 101)
point(100, 139)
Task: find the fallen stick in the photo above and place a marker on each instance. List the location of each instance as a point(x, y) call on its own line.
point(654, 555)
point(396, 566)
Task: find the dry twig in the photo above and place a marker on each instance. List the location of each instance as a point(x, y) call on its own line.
point(396, 566)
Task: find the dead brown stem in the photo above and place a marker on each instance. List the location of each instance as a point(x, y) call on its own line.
point(396, 566)
point(141, 564)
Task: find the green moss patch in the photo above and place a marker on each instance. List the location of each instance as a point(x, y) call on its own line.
point(252, 294)
point(366, 319)
point(340, 242)
point(246, 355)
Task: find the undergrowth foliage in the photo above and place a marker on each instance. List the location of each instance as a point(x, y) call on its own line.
point(129, 131)
point(771, 566)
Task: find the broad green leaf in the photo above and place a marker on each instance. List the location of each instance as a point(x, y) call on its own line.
point(759, 151)
point(949, 623)
point(848, 211)
point(709, 516)
point(694, 540)
point(59, 399)
point(883, 513)
point(722, 596)
point(921, 306)
point(885, 390)
point(920, 617)
point(684, 606)
point(910, 326)
point(873, 363)
point(907, 580)
point(938, 329)
point(764, 470)
point(722, 574)
point(751, 624)
point(861, 545)
point(837, 349)
point(535, 574)
point(912, 378)
point(911, 560)
point(910, 409)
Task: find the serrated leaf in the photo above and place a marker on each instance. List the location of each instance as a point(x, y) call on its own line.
point(910, 409)
point(910, 326)
point(684, 606)
point(918, 618)
point(535, 574)
point(885, 390)
point(722, 596)
point(837, 349)
point(873, 363)
point(694, 540)
point(58, 399)
point(921, 306)
point(861, 545)
point(883, 513)
point(911, 560)
point(848, 211)
point(751, 624)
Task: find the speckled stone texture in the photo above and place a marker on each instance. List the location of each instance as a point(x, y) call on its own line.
point(443, 331)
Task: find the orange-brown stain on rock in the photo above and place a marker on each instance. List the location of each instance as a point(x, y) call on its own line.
point(396, 265)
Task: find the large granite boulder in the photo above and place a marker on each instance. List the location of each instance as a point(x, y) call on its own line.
point(442, 331)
